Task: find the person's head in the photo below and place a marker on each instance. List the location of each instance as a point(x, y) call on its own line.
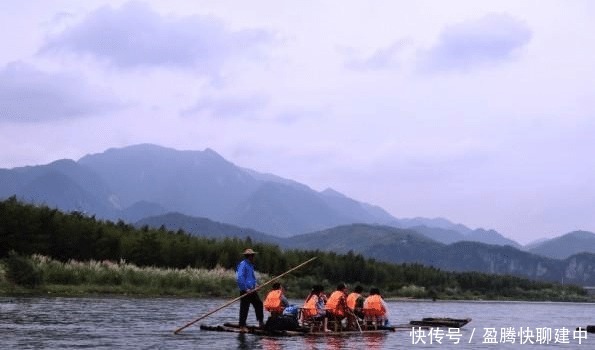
point(374, 291)
point(358, 289)
point(249, 254)
point(276, 286)
point(317, 289)
point(341, 287)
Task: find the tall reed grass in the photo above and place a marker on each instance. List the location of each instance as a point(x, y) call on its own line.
point(76, 277)
point(3, 279)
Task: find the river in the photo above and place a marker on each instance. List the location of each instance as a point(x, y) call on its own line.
point(148, 323)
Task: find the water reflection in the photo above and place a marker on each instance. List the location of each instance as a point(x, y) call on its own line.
point(271, 343)
point(247, 341)
point(336, 343)
point(137, 323)
point(370, 341)
point(374, 341)
point(322, 342)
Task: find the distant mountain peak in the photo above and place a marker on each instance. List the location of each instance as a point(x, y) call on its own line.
point(566, 245)
point(209, 152)
point(141, 148)
point(144, 147)
point(581, 234)
point(63, 162)
point(332, 193)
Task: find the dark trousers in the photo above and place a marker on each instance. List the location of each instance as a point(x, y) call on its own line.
point(245, 302)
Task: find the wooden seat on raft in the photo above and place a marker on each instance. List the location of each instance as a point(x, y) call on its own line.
point(372, 319)
point(334, 321)
point(314, 323)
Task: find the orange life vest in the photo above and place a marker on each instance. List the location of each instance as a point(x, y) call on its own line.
point(374, 305)
point(272, 303)
point(334, 303)
point(310, 307)
point(352, 300)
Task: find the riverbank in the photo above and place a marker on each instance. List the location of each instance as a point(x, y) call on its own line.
point(74, 278)
point(40, 275)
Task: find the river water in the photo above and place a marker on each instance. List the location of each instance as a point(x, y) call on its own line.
point(148, 323)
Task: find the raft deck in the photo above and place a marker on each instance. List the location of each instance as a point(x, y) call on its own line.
point(302, 331)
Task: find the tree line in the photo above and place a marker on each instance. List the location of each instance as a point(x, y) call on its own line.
point(27, 229)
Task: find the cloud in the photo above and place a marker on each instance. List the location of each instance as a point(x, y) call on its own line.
point(136, 36)
point(382, 58)
point(228, 107)
point(492, 39)
point(31, 95)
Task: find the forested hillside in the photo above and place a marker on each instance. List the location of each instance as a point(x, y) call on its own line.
point(27, 229)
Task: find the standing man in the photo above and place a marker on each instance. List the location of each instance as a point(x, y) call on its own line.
point(247, 283)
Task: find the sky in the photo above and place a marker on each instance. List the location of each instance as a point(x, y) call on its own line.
point(481, 112)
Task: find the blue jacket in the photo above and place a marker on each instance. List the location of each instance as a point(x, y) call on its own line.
point(245, 275)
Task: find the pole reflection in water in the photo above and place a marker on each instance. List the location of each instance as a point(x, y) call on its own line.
point(247, 342)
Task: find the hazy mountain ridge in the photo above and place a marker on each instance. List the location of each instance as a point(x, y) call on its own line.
point(440, 223)
point(356, 237)
point(566, 245)
point(145, 180)
point(190, 182)
point(405, 246)
point(394, 245)
point(205, 227)
point(66, 185)
point(454, 232)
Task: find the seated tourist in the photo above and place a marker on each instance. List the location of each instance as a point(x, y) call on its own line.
point(375, 308)
point(275, 302)
point(314, 307)
point(337, 308)
point(336, 304)
point(355, 301)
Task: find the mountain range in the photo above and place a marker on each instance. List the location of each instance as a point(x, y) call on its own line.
point(397, 245)
point(203, 193)
point(145, 180)
point(566, 245)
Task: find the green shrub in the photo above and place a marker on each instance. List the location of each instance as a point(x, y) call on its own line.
point(21, 270)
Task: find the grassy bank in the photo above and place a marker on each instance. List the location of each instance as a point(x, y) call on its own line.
point(49, 276)
point(40, 275)
point(108, 277)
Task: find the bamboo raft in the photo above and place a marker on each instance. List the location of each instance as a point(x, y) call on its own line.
point(302, 331)
point(426, 323)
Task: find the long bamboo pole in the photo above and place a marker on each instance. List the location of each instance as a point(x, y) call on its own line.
point(241, 296)
point(356, 321)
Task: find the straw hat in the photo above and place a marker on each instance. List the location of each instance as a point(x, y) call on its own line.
point(249, 252)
